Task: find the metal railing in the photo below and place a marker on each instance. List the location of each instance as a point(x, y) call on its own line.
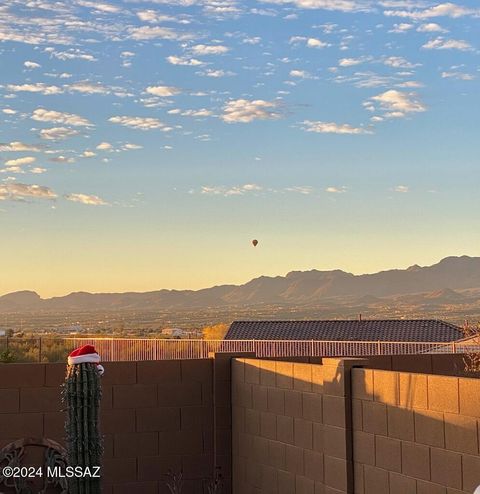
point(118, 349)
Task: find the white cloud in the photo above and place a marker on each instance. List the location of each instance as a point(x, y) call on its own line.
point(42, 115)
point(58, 133)
point(90, 200)
point(100, 7)
point(209, 49)
point(431, 27)
point(8, 111)
point(31, 65)
point(309, 42)
point(156, 17)
point(401, 188)
point(332, 128)
point(86, 87)
point(38, 170)
point(174, 60)
point(397, 104)
point(350, 62)
point(202, 112)
point(245, 111)
point(341, 5)
point(316, 43)
point(27, 160)
point(238, 190)
point(17, 146)
point(401, 28)
point(72, 54)
point(104, 146)
point(130, 147)
point(447, 44)
point(139, 123)
point(19, 191)
point(216, 73)
point(88, 154)
point(300, 189)
point(336, 190)
point(300, 74)
point(441, 10)
point(400, 63)
point(145, 33)
point(462, 76)
point(39, 87)
point(163, 91)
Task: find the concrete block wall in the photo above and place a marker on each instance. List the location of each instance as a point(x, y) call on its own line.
point(155, 416)
point(415, 433)
point(291, 432)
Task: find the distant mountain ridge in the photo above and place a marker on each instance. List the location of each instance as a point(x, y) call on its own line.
point(440, 281)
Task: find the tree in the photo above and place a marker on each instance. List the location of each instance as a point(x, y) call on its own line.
point(472, 347)
point(216, 332)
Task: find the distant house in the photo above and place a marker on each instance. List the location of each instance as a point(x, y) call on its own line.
point(401, 330)
point(173, 332)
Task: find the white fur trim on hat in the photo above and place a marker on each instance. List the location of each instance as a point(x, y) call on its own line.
point(93, 358)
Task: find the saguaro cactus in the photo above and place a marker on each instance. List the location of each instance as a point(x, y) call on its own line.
point(81, 395)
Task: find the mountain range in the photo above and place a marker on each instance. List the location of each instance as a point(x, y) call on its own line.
point(452, 280)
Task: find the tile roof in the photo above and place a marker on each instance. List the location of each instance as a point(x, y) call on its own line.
point(424, 330)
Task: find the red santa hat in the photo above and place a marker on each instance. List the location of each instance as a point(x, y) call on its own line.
point(85, 354)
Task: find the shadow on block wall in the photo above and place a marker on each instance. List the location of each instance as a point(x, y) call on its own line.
point(303, 428)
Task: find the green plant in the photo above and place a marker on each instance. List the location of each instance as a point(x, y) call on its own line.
point(7, 356)
point(81, 395)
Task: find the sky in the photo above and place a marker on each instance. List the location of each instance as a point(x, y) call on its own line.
point(144, 144)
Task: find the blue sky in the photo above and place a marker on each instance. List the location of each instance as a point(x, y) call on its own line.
point(143, 145)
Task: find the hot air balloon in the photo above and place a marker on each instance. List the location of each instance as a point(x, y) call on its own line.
point(254, 242)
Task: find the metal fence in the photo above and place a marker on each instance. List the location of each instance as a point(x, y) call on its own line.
point(118, 349)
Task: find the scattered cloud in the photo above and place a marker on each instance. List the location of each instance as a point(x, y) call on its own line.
point(246, 111)
point(431, 27)
point(401, 28)
point(193, 62)
point(43, 115)
point(27, 160)
point(39, 87)
point(308, 42)
point(145, 33)
point(140, 123)
point(104, 146)
point(461, 76)
point(332, 128)
point(336, 190)
point(163, 91)
point(401, 188)
point(21, 192)
point(447, 44)
point(216, 73)
point(89, 200)
point(301, 189)
point(400, 63)
point(300, 74)
point(441, 10)
point(396, 104)
point(237, 190)
point(340, 5)
point(209, 49)
point(17, 146)
point(31, 65)
point(350, 62)
point(58, 133)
